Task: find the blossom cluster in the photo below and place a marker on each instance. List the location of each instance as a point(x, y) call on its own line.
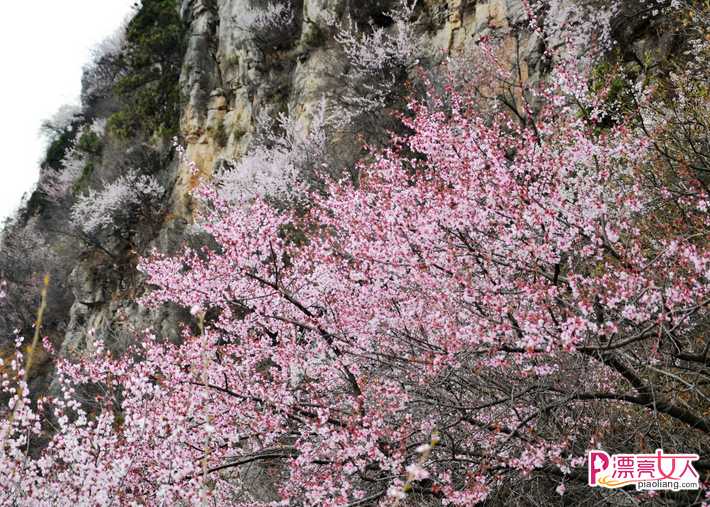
point(98, 210)
point(280, 165)
point(377, 59)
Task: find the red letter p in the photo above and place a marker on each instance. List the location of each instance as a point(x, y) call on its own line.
point(597, 461)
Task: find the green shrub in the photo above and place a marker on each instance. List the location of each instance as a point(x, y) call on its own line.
point(58, 148)
point(83, 182)
point(90, 142)
point(220, 136)
point(148, 90)
point(119, 125)
point(614, 80)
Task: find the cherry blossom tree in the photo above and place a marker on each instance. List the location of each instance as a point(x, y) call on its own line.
point(505, 291)
point(498, 293)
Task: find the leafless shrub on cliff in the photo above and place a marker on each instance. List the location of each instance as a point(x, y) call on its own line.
point(26, 257)
point(378, 63)
point(126, 200)
point(269, 24)
point(101, 74)
point(282, 162)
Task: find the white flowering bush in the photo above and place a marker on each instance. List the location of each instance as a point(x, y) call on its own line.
point(63, 119)
point(270, 23)
point(129, 196)
point(383, 48)
point(280, 165)
point(56, 184)
point(106, 66)
point(377, 61)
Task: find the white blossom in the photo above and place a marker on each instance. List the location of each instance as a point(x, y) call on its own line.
point(267, 23)
point(376, 59)
point(64, 116)
point(98, 126)
point(585, 31)
point(98, 210)
point(57, 183)
point(278, 164)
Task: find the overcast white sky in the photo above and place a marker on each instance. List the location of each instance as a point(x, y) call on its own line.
point(43, 46)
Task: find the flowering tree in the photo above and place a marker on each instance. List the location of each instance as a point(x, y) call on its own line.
point(494, 297)
point(268, 22)
point(278, 165)
point(57, 184)
point(378, 62)
point(105, 68)
point(511, 290)
point(128, 196)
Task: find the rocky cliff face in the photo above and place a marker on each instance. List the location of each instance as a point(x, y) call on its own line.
point(231, 75)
